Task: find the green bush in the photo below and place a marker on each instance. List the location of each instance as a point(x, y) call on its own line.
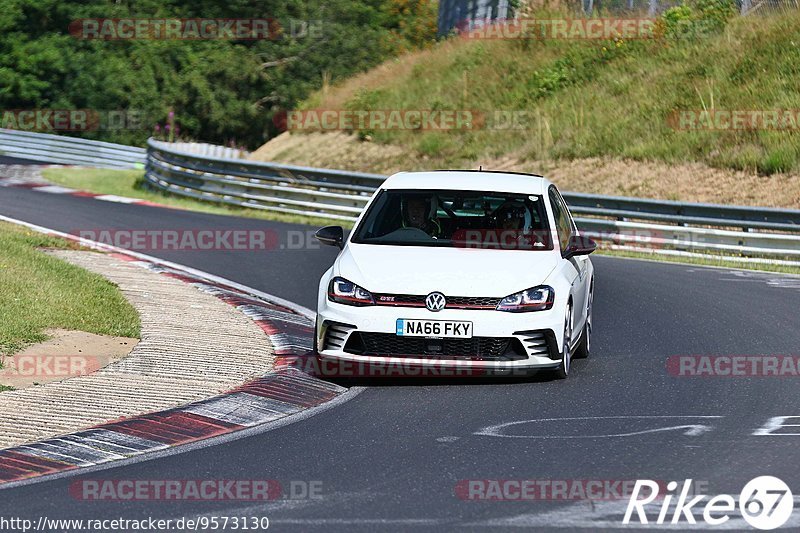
point(222, 91)
point(715, 12)
point(678, 21)
point(696, 19)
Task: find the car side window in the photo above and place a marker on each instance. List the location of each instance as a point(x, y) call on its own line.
point(572, 225)
point(563, 224)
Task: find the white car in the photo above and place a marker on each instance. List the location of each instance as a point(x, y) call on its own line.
point(459, 268)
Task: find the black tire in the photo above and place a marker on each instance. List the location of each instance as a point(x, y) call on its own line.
point(562, 372)
point(315, 361)
point(314, 344)
point(584, 347)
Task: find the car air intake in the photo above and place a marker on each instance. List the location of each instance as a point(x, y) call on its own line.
point(336, 335)
point(474, 349)
point(539, 342)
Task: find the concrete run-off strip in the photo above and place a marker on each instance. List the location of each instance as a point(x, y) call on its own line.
point(268, 400)
point(193, 346)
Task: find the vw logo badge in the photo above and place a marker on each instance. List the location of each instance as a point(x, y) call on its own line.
point(435, 301)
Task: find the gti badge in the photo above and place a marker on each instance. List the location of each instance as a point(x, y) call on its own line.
point(435, 301)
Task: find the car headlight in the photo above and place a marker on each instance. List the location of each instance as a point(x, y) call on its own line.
point(346, 292)
point(536, 299)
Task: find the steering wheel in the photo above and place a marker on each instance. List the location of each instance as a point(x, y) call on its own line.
point(408, 233)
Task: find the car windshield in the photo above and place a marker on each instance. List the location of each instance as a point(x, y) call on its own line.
point(469, 219)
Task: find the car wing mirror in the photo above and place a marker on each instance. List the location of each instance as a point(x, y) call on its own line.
point(579, 245)
point(331, 235)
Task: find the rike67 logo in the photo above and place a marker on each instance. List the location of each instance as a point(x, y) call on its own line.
point(764, 503)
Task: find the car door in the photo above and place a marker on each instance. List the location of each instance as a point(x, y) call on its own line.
point(575, 266)
point(583, 261)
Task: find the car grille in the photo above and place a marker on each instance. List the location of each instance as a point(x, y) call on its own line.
point(474, 349)
point(453, 302)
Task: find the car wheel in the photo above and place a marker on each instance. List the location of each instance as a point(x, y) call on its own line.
point(566, 358)
point(315, 344)
point(583, 349)
point(315, 361)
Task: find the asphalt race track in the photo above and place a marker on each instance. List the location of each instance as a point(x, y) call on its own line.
point(391, 457)
point(6, 160)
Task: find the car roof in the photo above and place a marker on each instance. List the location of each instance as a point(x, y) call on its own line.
point(469, 180)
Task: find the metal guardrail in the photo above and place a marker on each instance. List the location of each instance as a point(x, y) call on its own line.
point(213, 150)
point(69, 150)
point(219, 174)
point(341, 195)
point(334, 194)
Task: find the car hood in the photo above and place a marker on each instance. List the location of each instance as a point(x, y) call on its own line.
point(452, 271)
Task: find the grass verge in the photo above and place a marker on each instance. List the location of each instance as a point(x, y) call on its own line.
point(131, 183)
point(38, 291)
point(701, 261)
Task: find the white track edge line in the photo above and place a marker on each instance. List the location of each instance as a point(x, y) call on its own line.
point(199, 273)
point(192, 446)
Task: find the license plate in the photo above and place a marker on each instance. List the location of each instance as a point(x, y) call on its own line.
point(434, 328)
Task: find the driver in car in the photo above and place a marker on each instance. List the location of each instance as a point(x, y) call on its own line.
point(511, 226)
point(419, 213)
point(511, 216)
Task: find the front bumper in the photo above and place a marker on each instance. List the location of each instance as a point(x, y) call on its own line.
point(536, 337)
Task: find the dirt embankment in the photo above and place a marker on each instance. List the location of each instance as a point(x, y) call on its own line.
point(692, 182)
